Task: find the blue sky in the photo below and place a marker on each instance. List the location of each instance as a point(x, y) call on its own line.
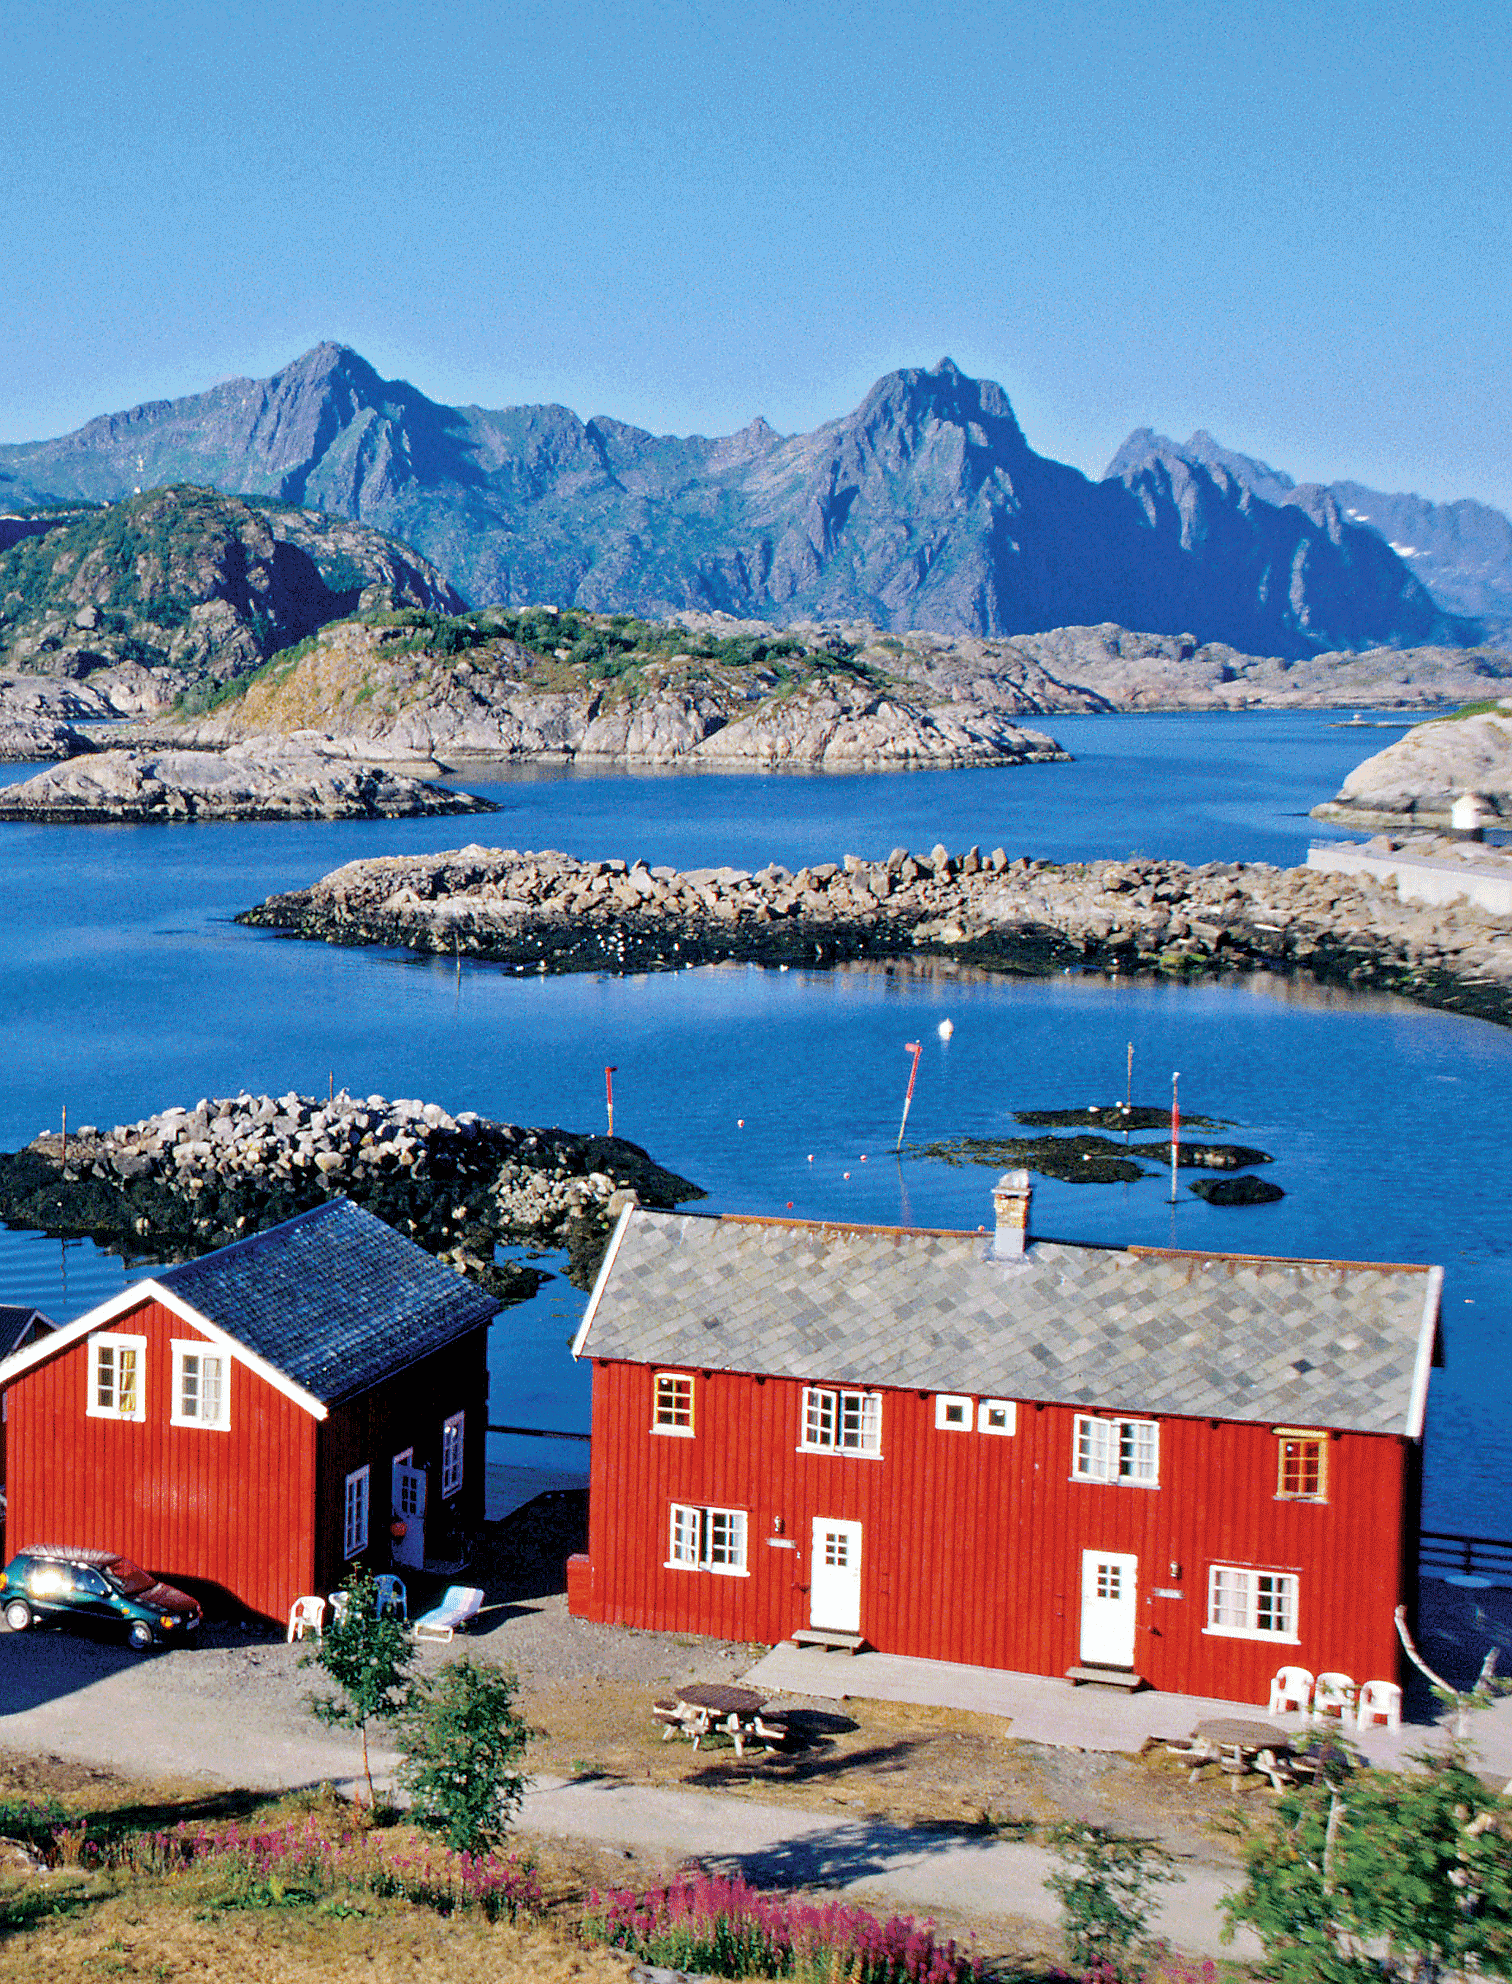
point(1285, 222)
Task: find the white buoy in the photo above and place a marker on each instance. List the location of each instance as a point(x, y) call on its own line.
point(945, 1029)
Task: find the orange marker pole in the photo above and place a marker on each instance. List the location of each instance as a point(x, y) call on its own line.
point(915, 1048)
point(609, 1093)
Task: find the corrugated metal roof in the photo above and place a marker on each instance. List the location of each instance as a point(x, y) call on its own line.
point(335, 1299)
point(1227, 1336)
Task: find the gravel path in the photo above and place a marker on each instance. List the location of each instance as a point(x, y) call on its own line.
point(233, 1710)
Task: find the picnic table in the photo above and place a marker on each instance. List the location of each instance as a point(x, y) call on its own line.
point(703, 1707)
point(1239, 1747)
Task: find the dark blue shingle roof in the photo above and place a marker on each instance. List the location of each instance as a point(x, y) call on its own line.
point(335, 1299)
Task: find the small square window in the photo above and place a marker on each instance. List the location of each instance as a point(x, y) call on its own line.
point(953, 1413)
point(1123, 1450)
point(674, 1404)
point(1250, 1604)
point(707, 1540)
point(997, 1415)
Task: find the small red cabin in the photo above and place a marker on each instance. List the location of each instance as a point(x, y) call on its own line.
point(247, 1424)
point(1194, 1468)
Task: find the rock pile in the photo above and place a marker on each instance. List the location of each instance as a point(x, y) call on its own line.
point(551, 912)
point(186, 1180)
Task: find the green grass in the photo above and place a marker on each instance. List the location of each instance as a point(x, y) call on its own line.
point(1490, 706)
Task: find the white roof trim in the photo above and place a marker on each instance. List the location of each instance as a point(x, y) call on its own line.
point(606, 1268)
point(1417, 1406)
point(133, 1297)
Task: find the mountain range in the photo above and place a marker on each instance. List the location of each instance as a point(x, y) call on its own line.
point(923, 508)
point(1462, 552)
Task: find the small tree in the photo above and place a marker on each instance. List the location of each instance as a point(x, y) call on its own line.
point(463, 1738)
point(369, 1659)
point(1107, 1890)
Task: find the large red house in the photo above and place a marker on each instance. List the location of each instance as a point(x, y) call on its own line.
point(1188, 1467)
point(249, 1423)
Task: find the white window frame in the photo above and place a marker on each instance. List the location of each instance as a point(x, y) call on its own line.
point(356, 1511)
point(669, 1427)
point(1109, 1451)
point(1250, 1593)
point(841, 1422)
point(707, 1539)
point(453, 1457)
point(115, 1342)
point(963, 1408)
point(997, 1416)
point(183, 1349)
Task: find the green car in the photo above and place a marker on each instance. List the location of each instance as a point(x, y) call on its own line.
point(95, 1589)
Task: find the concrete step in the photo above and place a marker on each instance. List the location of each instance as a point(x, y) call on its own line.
point(828, 1642)
point(1107, 1677)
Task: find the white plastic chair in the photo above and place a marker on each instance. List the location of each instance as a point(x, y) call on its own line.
point(1380, 1699)
point(1334, 1694)
point(306, 1615)
point(392, 1597)
point(339, 1604)
point(460, 1603)
point(1291, 1688)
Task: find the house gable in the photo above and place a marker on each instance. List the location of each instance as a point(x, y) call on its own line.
point(116, 1315)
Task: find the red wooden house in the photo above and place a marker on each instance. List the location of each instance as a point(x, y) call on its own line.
point(1190, 1467)
point(247, 1424)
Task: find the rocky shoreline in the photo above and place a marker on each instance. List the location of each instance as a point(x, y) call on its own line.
point(184, 1181)
point(550, 912)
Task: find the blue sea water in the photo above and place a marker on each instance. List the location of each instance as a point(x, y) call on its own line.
point(126, 987)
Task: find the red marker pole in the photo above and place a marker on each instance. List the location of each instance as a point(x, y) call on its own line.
point(1175, 1134)
point(915, 1048)
point(609, 1093)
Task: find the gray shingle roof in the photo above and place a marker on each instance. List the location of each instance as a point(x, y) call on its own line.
point(1228, 1336)
point(334, 1298)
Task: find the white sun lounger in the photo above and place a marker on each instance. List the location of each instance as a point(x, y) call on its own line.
point(460, 1603)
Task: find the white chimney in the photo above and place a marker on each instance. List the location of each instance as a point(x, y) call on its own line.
point(1010, 1201)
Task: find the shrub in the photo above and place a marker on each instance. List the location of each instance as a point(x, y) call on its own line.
point(723, 1928)
point(1106, 1890)
point(464, 1737)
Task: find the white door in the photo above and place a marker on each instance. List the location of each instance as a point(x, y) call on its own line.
point(409, 1508)
point(1107, 1608)
point(835, 1576)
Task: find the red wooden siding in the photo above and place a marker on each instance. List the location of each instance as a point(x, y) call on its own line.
point(231, 1510)
point(972, 1542)
point(406, 1410)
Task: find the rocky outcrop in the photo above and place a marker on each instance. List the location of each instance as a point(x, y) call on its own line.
point(184, 1181)
point(707, 689)
point(170, 593)
point(292, 784)
point(551, 912)
point(373, 691)
point(1416, 781)
point(37, 719)
point(923, 507)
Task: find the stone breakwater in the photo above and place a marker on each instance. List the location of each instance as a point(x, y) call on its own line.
point(548, 912)
point(186, 1180)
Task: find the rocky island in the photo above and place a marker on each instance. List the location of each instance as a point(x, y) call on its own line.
point(550, 912)
point(186, 1180)
point(272, 784)
point(1415, 781)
